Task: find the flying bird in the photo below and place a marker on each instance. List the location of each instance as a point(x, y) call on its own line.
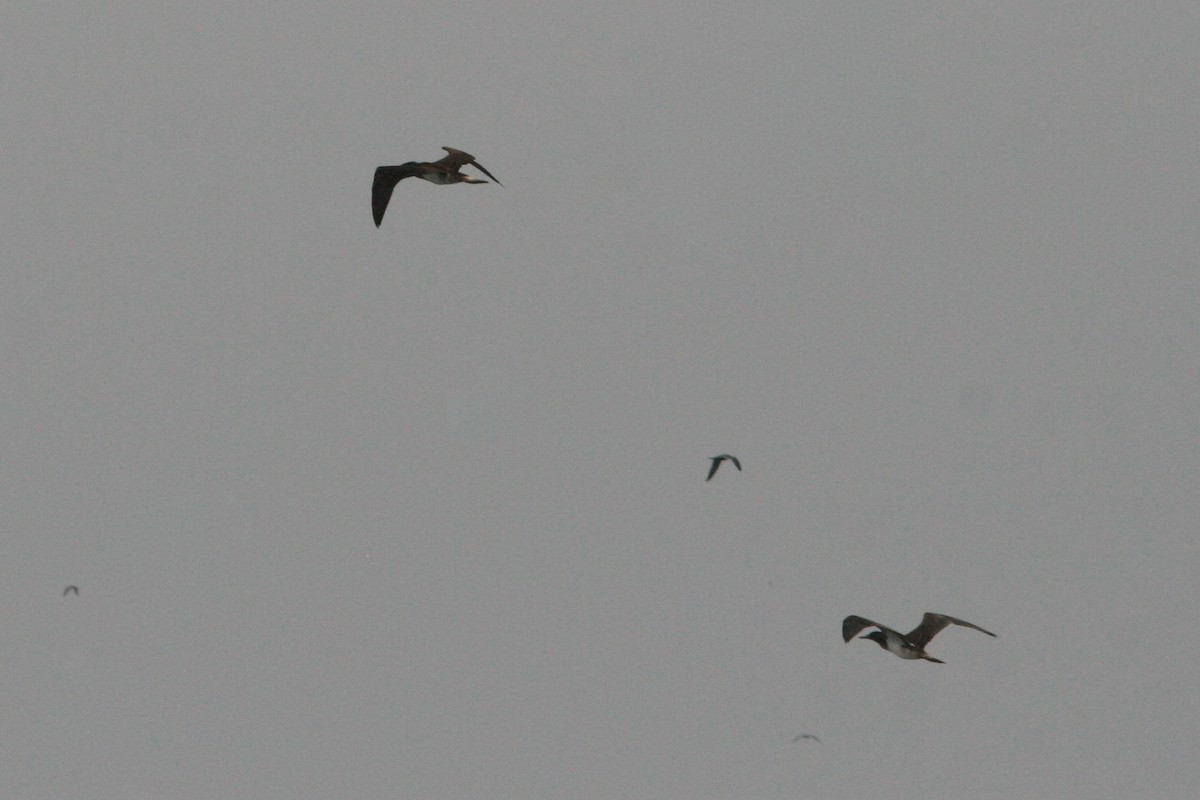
point(717, 464)
point(443, 171)
point(70, 589)
point(910, 645)
point(802, 736)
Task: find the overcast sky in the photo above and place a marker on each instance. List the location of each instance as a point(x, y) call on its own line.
point(420, 512)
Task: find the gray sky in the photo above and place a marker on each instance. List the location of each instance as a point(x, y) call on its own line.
point(420, 512)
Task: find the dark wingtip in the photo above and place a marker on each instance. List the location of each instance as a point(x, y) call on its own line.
point(483, 169)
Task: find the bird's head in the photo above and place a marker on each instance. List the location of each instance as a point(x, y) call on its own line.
point(876, 636)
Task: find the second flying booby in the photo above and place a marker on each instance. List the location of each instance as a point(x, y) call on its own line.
point(717, 464)
point(443, 171)
point(910, 645)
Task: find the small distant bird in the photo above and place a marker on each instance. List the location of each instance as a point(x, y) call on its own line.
point(802, 736)
point(442, 172)
point(717, 464)
point(910, 645)
point(70, 589)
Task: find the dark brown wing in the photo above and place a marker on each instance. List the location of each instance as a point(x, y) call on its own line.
point(479, 167)
point(458, 158)
point(736, 463)
point(932, 624)
point(386, 179)
point(715, 466)
point(851, 625)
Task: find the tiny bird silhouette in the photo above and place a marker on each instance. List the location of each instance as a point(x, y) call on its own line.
point(802, 736)
point(909, 645)
point(444, 171)
point(716, 464)
point(71, 589)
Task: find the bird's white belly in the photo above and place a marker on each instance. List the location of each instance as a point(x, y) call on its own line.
point(897, 647)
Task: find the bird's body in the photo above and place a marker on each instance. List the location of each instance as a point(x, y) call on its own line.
point(910, 645)
point(716, 464)
point(71, 590)
point(442, 172)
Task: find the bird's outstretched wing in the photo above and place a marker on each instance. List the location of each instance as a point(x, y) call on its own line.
point(851, 625)
point(386, 179)
point(932, 624)
point(716, 464)
point(458, 158)
point(479, 167)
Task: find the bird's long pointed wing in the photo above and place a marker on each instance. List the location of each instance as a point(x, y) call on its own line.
point(736, 463)
point(386, 179)
point(932, 624)
point(851, 625)
point(456, 158)
point(479, 167)
point(713, 469)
